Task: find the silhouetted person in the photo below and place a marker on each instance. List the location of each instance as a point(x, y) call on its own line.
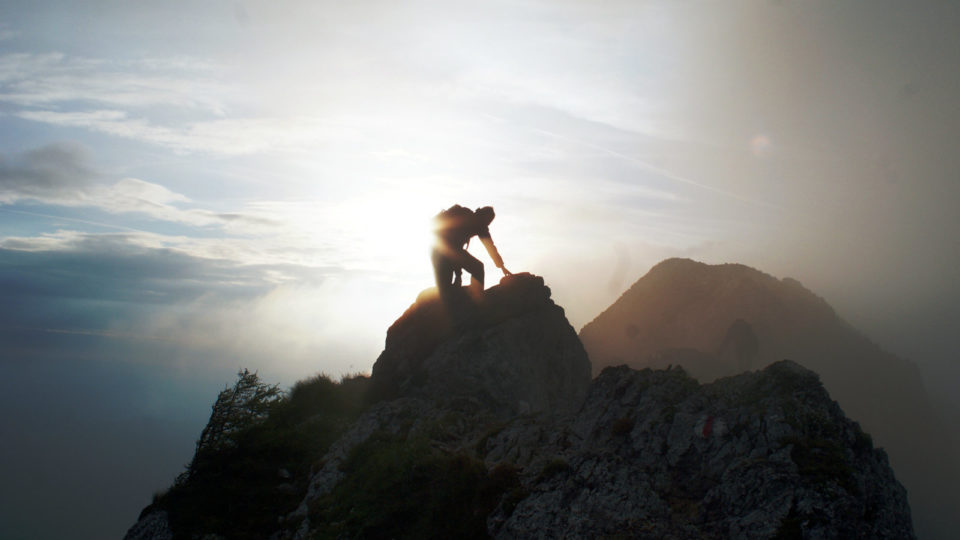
point(455, 227)
point(742, 342)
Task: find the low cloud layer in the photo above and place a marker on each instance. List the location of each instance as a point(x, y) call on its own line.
point(111, 288)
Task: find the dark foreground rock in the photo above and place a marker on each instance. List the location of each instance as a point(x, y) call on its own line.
point(654, 454)
point(510, 351)
point(154, 524)
point(761, 455)
point(486, 425)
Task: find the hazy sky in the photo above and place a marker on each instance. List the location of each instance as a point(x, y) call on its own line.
point(187, 188)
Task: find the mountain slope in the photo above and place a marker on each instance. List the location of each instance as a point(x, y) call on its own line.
point(719, 320)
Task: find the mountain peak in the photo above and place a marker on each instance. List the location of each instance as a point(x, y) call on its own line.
point(690, 305)
point(511, 349)
point(719, 320)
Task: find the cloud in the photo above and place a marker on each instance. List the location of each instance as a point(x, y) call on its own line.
point(224, 136)
point(39, 79)
point(112, 287)
point(91, 264)
point(185, 104)
point(114, 279)
point(45, 172)
point(7, 33)
point(62, 174)
point(182, 103)
point(303, 233)
point(246, 252)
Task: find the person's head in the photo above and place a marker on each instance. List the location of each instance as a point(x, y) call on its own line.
point(485, 214)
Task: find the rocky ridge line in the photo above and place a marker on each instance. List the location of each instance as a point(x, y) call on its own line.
point(500, 388)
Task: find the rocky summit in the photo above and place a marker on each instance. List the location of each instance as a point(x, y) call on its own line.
point(511, 350)
point(481, 421)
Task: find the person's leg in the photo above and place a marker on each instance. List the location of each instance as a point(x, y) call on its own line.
point(442, 270)
point(472, 265)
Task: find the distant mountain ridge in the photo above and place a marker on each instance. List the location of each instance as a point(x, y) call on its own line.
point(681, 303)
point(482, 421)
point(682, 312)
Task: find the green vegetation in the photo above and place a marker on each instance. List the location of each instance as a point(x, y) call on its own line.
point(405, 488)
point(253, 462)
point(253, 457)
point(781, 383)
point(819, 452)
point(823, 461)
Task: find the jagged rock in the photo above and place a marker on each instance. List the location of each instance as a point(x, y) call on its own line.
point(152, 525)
point(496, 393)
point(510, 351)
point(752, 456)
point(654, 454)
point(717, 320)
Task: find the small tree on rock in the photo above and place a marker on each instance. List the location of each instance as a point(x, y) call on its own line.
point(246, 404)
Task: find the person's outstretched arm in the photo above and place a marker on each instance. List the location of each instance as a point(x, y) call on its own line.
point(492, 251)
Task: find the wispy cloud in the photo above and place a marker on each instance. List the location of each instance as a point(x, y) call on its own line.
point(225, 136)
point(62, 175)
point(43, 79)
point(185, 104)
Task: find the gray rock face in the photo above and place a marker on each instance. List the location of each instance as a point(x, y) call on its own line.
point(754, 456)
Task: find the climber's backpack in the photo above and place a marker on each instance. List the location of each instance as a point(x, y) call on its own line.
point(454, 222)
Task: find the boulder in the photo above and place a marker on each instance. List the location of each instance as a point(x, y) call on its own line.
point(510, 351)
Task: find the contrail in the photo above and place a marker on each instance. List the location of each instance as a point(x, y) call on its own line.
point(96, 333)
point(654, 169)
point(643, 164)
point(75, 220)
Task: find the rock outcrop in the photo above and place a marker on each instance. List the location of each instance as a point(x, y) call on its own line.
point(718, 320)
point(653, 454)
point(648, 454)
point(152, 525)
point(510, 351)
point(485, 424)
